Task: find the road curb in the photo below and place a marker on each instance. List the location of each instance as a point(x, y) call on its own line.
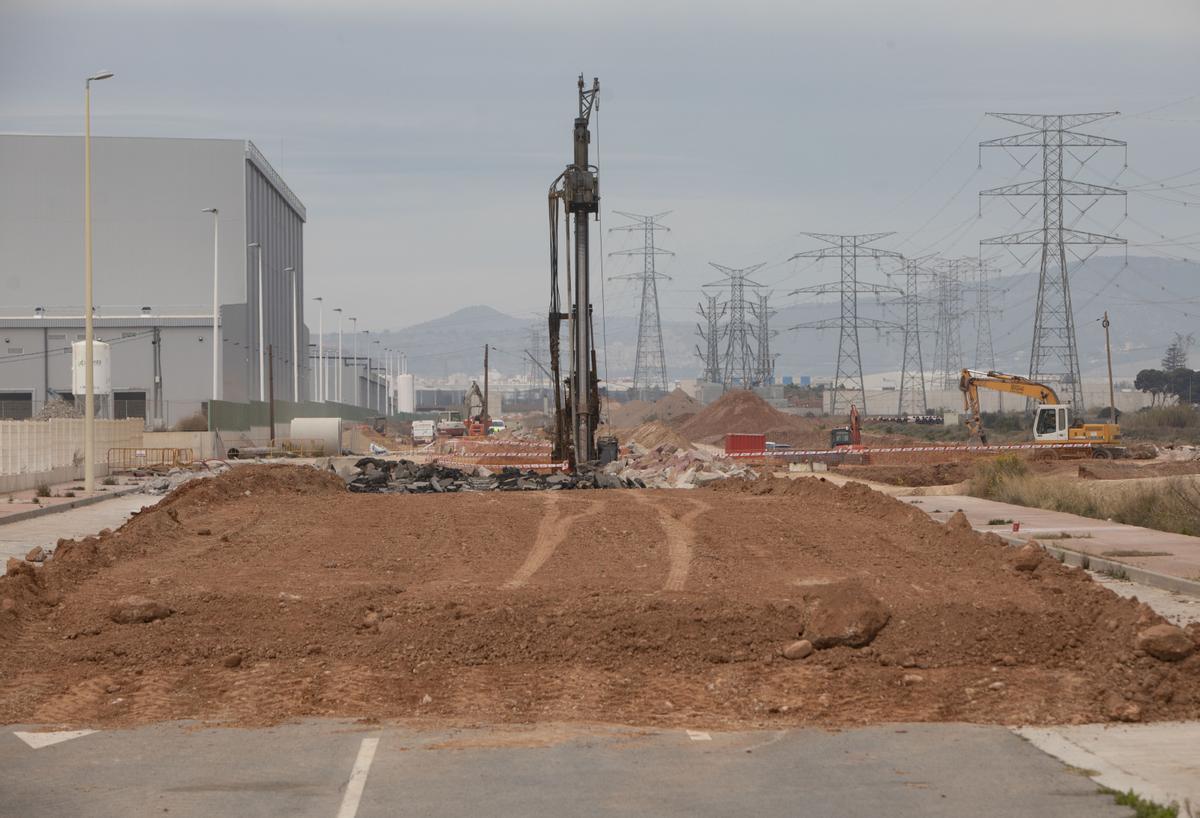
point(1142, 576)
point(61, 507)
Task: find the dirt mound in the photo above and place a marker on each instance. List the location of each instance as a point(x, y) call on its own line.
point(740, 410)
point(640, 607)
point(925, 474)
point(654, 434)
point(675, 408)
point(626, 415)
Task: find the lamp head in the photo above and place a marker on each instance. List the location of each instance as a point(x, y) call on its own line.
point(211, 210)
point(102, 75)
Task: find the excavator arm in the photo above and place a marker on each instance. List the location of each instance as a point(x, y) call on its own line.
point(971, 381)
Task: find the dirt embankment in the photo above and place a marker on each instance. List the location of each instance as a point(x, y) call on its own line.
point(270, 594)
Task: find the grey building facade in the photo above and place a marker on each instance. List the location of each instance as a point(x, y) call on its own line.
point(153, 266)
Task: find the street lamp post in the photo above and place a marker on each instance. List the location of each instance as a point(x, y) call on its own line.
point(354, 334)
point(380, 400)
point(295, 339)
point(340, 361)
point(89, 403)
point(262, 370)
point(216, 333)
point(320, 348)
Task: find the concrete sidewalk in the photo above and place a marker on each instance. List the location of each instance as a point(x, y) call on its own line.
point(1157, 552)
point(1160, 761)
point(16, 539)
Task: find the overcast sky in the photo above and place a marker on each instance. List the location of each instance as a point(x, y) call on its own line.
point(422, 136)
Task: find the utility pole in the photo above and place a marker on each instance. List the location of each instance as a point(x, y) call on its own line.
point(156, 343)
point(271, 394)
point(739, 364)
point(1053, 356)
point(711, 334)
point(764, 361)
point(1112, 398)
point(912, 365)
point(578, 189)
point(848, 249)
point(650, 366)
point(485, 415)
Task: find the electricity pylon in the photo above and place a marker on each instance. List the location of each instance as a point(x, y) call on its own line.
point(947, 346)
point(764, 365)
point(711, 334)
point(912, 364)
point(1053, 358)
point(738, 366)
point(650, 365)
point(849, 249)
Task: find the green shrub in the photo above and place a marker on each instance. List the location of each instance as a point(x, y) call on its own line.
point(990, 475)
point(42, 490)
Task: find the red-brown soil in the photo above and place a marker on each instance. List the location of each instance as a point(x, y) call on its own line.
point(292, 598)
point(741, 411)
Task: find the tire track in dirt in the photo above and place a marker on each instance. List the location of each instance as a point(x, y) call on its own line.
point(680, 533)
point(551, 532)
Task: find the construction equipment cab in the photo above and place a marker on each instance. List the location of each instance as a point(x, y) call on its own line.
point(1052, 422)
point(851, 435)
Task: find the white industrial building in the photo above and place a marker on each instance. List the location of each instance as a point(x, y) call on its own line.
point(153, 263)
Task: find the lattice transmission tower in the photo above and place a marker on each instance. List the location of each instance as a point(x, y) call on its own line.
point(711, 333)
point(535, 371)
point(848, 249)
point(1053, 357)
point(947, 345)
point(650, 364)
point(739, 364)
point(912, 397)
point(985, 353)
point(764, 368)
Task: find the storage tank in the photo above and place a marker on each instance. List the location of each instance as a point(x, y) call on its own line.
point(406, 393)
point(323, 434)
point(101, 368)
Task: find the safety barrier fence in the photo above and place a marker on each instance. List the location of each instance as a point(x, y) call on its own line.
point(139, 458)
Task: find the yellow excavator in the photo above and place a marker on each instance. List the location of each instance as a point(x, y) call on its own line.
point(1052, 420)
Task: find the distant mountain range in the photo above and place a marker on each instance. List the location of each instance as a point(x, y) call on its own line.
point(1148, 300)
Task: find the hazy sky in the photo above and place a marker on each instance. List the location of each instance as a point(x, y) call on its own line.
point(422, 136)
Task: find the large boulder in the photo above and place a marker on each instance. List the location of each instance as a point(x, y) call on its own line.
point(129, 610)
point(843, 613)
point(1165, 642)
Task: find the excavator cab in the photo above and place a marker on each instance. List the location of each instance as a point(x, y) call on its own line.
point(1052, 423)
point(847, 435)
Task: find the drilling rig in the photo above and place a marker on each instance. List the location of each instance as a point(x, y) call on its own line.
point(577, 189)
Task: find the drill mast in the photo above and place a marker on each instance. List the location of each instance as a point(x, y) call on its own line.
point(578, 189)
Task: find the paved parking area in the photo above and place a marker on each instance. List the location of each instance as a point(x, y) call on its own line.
point(345, 770)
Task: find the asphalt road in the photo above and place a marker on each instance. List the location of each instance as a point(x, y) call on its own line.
point(344, 770)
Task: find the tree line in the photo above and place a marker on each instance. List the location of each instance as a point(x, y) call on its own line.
point(1174, 379)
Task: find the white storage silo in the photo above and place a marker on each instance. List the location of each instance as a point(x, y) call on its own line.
point(406, 393)
point(101, 368)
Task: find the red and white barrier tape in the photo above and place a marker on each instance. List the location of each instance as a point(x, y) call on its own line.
point(902, 449)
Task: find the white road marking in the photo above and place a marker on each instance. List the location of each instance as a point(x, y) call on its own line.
point(39, 740)
point(358, 778)
point(698, 735)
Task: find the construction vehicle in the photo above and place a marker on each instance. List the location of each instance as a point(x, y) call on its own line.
point(1052, 423)
point(847, 436)
point(577, 190)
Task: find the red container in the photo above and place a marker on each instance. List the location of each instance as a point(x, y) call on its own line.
point(745, 444)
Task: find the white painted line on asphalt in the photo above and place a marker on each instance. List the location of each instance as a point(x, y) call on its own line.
point(39, 740)
point(698, 735)
point(358, 778)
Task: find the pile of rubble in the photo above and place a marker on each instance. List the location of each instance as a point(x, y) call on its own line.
point(671, 467)
point(375, 475)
